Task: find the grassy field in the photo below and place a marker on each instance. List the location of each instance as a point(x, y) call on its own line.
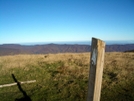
point(64, 77)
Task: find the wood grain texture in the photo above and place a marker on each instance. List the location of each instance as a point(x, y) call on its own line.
point(96, 69)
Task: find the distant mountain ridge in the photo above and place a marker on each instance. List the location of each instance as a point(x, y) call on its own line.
point(12, 49)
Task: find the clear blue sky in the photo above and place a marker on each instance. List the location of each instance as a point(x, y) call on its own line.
point(65, 20)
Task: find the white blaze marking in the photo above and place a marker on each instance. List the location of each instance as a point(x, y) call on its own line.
point(94, 56)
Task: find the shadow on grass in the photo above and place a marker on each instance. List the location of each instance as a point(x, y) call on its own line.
point(25, 96)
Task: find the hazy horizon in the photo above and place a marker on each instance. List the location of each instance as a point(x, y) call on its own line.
point(108, 42)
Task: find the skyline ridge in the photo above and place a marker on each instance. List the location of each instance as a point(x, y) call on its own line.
point(110, 42)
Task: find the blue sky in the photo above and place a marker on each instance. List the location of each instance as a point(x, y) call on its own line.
point(65, 20)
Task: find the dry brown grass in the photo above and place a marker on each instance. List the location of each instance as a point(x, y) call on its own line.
point(119, 61)
point(114, 58)
point(17, 61)
point(69, 72)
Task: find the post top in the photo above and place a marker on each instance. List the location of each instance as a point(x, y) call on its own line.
point(93, 38)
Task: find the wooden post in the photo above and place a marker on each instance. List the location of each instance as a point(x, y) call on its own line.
point(96, 69)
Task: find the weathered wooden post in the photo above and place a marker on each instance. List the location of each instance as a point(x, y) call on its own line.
point(96, 69)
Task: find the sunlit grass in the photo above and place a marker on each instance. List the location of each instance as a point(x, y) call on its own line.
point(64, 77)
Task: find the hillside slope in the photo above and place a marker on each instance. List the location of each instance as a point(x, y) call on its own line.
point(11, 49)
point(64, 77)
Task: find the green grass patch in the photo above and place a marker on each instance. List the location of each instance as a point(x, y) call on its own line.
point(66, 80)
